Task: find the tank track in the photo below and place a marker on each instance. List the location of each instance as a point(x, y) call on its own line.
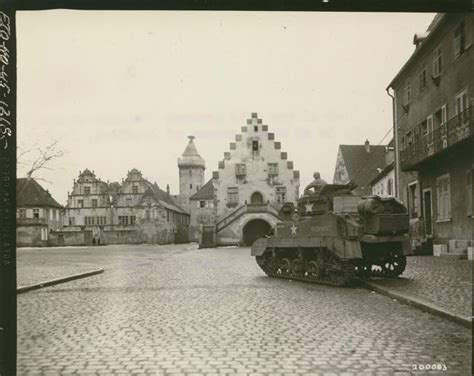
point(332, 270)
point(328, 270)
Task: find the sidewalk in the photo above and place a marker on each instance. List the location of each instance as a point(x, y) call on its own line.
point(436, 284)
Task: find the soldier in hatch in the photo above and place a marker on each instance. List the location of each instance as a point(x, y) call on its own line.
point(315, 186)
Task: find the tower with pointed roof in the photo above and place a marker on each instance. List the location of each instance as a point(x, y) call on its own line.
point(191, 173)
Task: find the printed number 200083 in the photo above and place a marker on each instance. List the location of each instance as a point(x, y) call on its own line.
point(425, 367)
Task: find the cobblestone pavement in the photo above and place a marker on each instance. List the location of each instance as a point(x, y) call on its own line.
point(444, 282)
point(177, 310)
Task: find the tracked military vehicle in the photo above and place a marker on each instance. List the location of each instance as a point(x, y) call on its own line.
point(334, 237)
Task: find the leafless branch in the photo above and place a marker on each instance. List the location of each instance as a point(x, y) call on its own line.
point(44, 158)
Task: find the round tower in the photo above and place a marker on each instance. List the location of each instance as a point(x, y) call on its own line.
point(191, 173)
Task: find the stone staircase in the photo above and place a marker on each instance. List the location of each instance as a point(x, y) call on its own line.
point(244, 209)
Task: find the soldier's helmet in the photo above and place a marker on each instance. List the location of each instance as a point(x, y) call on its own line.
point(316, 175)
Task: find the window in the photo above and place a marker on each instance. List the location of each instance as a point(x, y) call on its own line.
point(443, 198)
point(461, 39)
point(202, 204)
point(444, 115)
point(94, 202)
point(44, 233)
point(135, 189)
point(422, 79)
point(232, 195)
point(133, 219)
point(281, 194)
point(254, 145)
point(461, 107)
point(87, 190)
point(413, 200)
point(407, 92)
point(72, 221)
point(80, 203)
point(390, 187)
point(437, 62)
point(148, 215)
point(89, 221)
point(469, 193)
point(50, 214)
point(123, 220)
point(190, 186)
point(101, 220)
point(56, 215)
point(22, 213)
point(273, 169)
point(255, 128)
point(36, 213)
point(168, 215)
point(190, 173)
point(240, 169)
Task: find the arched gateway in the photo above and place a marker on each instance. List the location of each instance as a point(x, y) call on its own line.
point(254, 229)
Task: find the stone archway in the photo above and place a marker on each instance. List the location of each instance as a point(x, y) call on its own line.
point(256, 198)
point(255, 229)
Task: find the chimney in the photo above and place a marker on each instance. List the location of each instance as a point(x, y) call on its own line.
point(418, 38)
point(367, 146)
point(168, 189)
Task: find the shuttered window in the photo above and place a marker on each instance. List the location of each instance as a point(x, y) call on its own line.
point(443, 197)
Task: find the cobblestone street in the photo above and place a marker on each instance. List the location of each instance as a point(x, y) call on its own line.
point(171, 310)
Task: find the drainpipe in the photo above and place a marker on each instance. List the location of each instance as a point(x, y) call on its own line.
point(395, 139)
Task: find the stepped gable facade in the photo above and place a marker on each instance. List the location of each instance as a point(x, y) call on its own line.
point(253, 180)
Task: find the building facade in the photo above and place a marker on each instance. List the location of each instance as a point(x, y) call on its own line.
point(38, 214)
point(242, 199)
point(359, 164)
point(433, 96)
point(384, 182)
point(135, 211)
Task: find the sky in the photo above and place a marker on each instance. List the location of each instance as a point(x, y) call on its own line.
point(120, 90)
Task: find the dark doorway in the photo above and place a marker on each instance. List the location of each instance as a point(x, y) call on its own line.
point(256, 198)
point(254, 230)
point(427, 205)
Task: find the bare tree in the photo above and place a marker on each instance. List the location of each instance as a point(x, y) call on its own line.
point(42, 158)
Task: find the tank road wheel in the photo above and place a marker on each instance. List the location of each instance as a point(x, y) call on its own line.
point(335, 271)
point(314, 271)
point(297, 267)
point(284, 267)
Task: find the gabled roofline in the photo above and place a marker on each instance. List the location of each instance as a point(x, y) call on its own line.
point(418, 50)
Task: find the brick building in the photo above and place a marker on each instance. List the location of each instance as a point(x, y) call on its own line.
point(135, 211)
point(240, 202)
point(433, 96)
point(37, 214)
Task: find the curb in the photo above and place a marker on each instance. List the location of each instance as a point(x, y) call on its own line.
point(421, 304)
point(36, 286)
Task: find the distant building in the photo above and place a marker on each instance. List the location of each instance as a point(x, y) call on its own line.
point(37, 214)
point(191, 173)
point(433, 97)
point(359, 164)
point(384, 182)
point(241, 201)
point(135, 211)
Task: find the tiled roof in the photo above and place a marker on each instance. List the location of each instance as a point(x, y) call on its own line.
point(205, 193)
point(362, 165)
point(166, 198)
point(382, 173)
point(30, 193)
